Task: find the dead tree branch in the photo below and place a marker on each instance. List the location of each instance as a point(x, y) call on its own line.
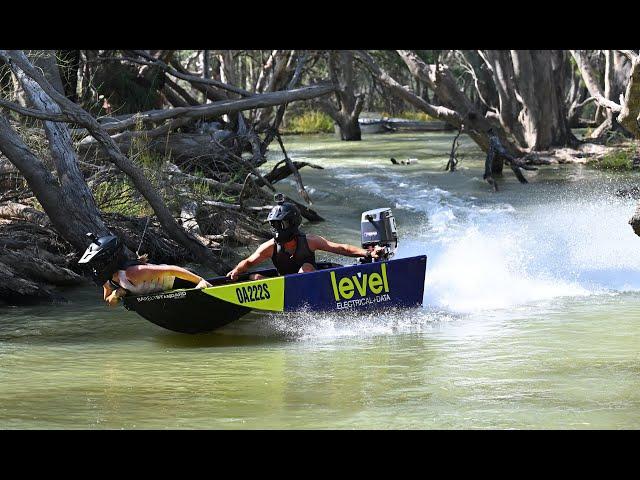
point(142, 184)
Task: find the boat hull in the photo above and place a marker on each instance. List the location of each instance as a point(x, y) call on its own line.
point(378, 285)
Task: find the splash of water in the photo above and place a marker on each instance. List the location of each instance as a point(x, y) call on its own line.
point(306, 325)
point(492, 255)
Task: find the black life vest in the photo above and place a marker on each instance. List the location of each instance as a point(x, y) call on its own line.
point(286, 263)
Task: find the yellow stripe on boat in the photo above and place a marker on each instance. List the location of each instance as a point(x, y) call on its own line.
point(266, 294)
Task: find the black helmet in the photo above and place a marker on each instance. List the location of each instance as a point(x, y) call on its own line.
point(284, 219)
point(104, 256)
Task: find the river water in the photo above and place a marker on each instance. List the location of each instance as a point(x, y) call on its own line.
point(530, 317)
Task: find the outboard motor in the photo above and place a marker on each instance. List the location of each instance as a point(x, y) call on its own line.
point(378, 227)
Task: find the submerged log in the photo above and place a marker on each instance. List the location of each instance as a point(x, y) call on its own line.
point(496, 157)
point(280, 172)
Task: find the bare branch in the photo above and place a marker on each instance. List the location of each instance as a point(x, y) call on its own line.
point(39, 114)
point(188, 77)
point(440, 112)
point(590, 80)
point(216, 109)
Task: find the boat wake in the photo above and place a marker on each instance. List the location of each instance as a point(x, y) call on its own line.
point(307, 325)
point(485, 255)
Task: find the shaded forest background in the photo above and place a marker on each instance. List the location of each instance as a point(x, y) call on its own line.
point(167, 145)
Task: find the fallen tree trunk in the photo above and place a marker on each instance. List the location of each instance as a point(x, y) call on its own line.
point(13, 210)
point(179, 147)
point(33, 259)
point(216, 109)
point(497, 151)
point(67, 198)
point(236, 224)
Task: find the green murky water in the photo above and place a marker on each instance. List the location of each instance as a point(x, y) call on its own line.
point(530, 318)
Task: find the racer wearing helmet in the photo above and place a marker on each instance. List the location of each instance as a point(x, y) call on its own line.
point(109, 266)
point(291, 250)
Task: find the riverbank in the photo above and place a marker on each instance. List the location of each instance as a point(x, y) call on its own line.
point(315, 122)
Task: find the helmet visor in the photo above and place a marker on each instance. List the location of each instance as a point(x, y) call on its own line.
point(279, 225)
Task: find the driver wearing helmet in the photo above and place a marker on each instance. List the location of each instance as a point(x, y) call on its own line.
point(120, 276)
point(290, 249)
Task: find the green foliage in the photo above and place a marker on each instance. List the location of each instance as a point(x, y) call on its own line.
point(118, 196)
point(310, 122)
point(620, 160)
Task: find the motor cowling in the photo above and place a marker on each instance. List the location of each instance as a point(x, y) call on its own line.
point(378, 228)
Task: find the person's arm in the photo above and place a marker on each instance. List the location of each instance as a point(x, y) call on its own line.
point(111, 296)
point(144, 272)
point(185, 274)
point(262, 253)
point(316, 242)
point(107, 290)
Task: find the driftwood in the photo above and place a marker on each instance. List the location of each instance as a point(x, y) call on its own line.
point(453, 156)
point(16, 290)
point(13, 210)
point(231, 206)
point(301, 190)
point(279, 172)
point(493, 162)
point(180, 147)
point(33, 259)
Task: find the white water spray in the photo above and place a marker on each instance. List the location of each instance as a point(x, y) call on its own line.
point(484, 256)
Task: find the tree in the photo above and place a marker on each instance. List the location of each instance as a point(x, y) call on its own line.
point(348, 105)
point(65, 197)
point(53, 107)
point(624, 109)
point(530, 86)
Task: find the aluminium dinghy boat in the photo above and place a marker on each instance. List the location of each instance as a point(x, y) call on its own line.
point(383, 284)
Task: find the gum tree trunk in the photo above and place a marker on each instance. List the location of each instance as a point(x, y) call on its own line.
point(530, 86)
point(349, 106)
point(66, 199)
